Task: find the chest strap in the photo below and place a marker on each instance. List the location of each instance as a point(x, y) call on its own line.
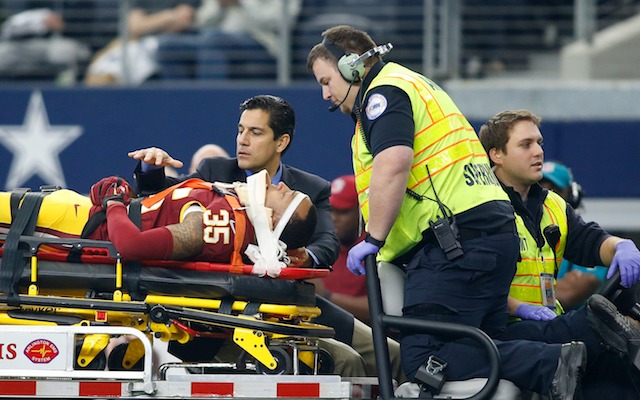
point(24, 223)
point(241, 228)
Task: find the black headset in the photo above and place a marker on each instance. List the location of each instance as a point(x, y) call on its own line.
point(575, 195)
point(575, 192)
point(351, 65)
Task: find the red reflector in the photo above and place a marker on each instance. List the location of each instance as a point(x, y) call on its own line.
point(101, 316)
point(299, 390)
point(18, 388)
point(109, 389)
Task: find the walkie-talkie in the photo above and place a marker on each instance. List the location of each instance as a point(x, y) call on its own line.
point(446, 233)
point(552, 235)
point(444, 228)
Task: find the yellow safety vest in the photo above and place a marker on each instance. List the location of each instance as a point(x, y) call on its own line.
point(526, 285)
point(443, 139)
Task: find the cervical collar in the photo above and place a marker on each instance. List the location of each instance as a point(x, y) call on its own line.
point(288, 213)
point(257, 191)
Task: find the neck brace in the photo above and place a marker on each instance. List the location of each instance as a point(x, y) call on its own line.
point(288, 213)
point(270, 256)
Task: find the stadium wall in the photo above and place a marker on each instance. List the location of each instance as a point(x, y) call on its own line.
point(74, 136)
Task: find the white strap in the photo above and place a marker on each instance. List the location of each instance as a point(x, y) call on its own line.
point(267, 243)
point(286, 216)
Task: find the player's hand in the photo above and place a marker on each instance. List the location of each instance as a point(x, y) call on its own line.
point(155, 156)
point(299, 258)
point(110, 188)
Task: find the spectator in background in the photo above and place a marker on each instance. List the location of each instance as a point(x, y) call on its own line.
point(233, 37)
point(147, 20)
point(342, 287)
point(575, 283)
point(206, 151)
point(32, 45)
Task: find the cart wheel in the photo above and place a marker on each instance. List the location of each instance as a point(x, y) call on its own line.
point(325, 362)
point(159, 314)
point(283, 361)
point(116, 360)
point(98, 363)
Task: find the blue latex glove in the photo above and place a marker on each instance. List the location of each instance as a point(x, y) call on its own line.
point(536, 313)
point(357, 254)
point(627, 260)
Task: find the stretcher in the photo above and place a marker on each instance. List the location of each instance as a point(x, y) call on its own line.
point(58, 282)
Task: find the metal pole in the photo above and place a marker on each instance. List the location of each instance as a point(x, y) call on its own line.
point(584, 20)
point(443, 51)
point(455, 35)
point(123, 29)
point(284, 55)
point(380, 346)
point(428, 37)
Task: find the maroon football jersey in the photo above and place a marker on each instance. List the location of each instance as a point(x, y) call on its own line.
point(218, 220)
point(219, 225)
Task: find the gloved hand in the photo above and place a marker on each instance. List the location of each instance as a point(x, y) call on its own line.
point(357, 254)
point(110, 188)
point(536, 313)
point(627, 260)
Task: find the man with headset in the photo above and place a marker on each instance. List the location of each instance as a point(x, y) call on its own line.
point(433, 206)
point(549, 229)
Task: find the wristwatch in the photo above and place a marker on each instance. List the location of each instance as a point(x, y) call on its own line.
point(370, 239)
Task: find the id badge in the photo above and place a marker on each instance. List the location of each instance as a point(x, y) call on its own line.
point(548, 292)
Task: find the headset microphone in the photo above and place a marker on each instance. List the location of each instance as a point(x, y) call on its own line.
point(334, 107)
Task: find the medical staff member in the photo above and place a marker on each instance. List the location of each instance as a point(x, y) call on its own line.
point(549, 230)
point(432, 205)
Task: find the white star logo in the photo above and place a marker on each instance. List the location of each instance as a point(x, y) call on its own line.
point(36, 145)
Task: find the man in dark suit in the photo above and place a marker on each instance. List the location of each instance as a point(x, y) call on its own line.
point(265, 131)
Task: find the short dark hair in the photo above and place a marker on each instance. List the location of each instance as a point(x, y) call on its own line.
point(496, 131)
point(282, 118)
point(347, 38)
point(298, 232)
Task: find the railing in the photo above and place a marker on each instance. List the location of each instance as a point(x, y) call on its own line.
point(442, 38)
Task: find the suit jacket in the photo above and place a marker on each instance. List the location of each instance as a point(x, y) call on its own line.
point(324, 243)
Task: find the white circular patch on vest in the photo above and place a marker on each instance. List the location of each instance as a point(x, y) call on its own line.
point(376, 106)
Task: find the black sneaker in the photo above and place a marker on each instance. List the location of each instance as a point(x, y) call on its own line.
point(614, 329)
point(566, 383)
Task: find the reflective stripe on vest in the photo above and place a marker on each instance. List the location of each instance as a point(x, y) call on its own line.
point(443, 139)
point(526, 284)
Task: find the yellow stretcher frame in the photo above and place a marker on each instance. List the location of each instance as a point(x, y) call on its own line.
point(156, 315)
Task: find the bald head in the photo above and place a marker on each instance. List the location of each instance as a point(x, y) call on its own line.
point(206, 151)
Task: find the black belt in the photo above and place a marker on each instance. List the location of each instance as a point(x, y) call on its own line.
point(470, 234)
